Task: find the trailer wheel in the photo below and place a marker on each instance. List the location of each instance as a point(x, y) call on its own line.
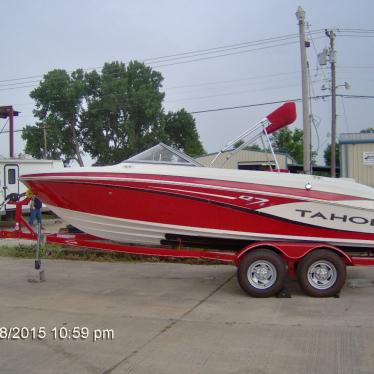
point(261, 273)
point(321, 273)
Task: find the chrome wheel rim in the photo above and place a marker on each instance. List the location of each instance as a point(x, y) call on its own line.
point(262, 274)
point(322, 275)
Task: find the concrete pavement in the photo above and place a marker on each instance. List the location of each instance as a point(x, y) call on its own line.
point(175, 318)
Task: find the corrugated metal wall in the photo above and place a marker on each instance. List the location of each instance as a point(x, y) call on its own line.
point(353, 163)
point(244, 156)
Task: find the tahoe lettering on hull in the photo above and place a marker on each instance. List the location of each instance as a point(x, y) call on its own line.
point(335, 217)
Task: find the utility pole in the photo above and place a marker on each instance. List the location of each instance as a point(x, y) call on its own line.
point(331, 35)
point(300, 15)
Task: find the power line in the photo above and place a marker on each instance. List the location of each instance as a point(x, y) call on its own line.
point(355, 31)
point(318, 97)
point(355, 36)
point(22, 78)
point(113, 95)
point(237, 107)
point(260, 104)
point(311, 115)
point(190, 54)
point(224, 55)
point(243, 106)
point(14, 84)
point(182, 62)
point(264, 76)
point(232, 93)
point(356, 96)
point(316, 52)
point(313, 97)
point(2, 130)
point(232, 80)
point(186, 61)
point(7, 131)
point(218, 49)
point(231, 46)
point(16, 88)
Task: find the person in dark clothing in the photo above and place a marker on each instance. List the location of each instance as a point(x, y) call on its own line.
point(35, 210)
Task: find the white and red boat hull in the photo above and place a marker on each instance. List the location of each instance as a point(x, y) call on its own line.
point(144, 203)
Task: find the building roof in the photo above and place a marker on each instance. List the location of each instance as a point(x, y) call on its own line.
point(247, 151)
point(356, 138)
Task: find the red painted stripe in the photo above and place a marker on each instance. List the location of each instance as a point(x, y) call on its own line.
point(261, 188)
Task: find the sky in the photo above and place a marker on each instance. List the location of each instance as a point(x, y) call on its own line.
point(39, 36)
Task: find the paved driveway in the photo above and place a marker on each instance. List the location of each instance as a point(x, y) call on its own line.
point(174, 318)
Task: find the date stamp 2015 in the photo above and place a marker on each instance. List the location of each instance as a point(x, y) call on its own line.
point(75, 333)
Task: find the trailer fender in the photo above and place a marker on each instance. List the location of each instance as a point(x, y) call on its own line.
point(293, 251)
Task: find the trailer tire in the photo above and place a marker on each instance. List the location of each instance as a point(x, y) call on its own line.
point(321, 273)
point(261, 273)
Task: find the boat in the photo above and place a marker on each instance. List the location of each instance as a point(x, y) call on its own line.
point(163, 196)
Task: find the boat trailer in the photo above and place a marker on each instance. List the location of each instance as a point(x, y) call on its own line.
point(263, 267)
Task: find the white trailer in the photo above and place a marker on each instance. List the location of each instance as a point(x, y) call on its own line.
point(12, 168)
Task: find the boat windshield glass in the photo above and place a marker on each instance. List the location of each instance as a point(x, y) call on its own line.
point(163, 154)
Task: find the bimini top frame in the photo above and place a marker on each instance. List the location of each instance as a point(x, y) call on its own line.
point(282, 116)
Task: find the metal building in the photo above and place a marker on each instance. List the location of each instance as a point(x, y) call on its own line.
point(247, 159)
point(357, 157)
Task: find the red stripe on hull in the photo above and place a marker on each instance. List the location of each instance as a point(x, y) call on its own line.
point(279, 190)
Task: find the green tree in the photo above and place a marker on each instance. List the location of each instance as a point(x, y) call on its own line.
point(251, 147)
point(180, 132)
point(57, 145)
point(59, 98)
point(291, 142)
point(327, 155)
point(111, 115)
point(124, 109)
point(124, 115)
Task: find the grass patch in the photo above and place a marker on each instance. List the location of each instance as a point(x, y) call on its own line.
point(58, 252)
point(22, 251)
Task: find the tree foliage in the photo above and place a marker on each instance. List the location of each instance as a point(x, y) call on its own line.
point(327, 155)
point(123, 113)
point(251, 147)
point(59, 146)
point(59, 98)
point(291, 142)
point(110, 115)
point(180, 132)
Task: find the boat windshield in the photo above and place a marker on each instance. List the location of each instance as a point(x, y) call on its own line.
point(163, 154)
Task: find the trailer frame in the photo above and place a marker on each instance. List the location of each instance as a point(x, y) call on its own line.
point(291, 252)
